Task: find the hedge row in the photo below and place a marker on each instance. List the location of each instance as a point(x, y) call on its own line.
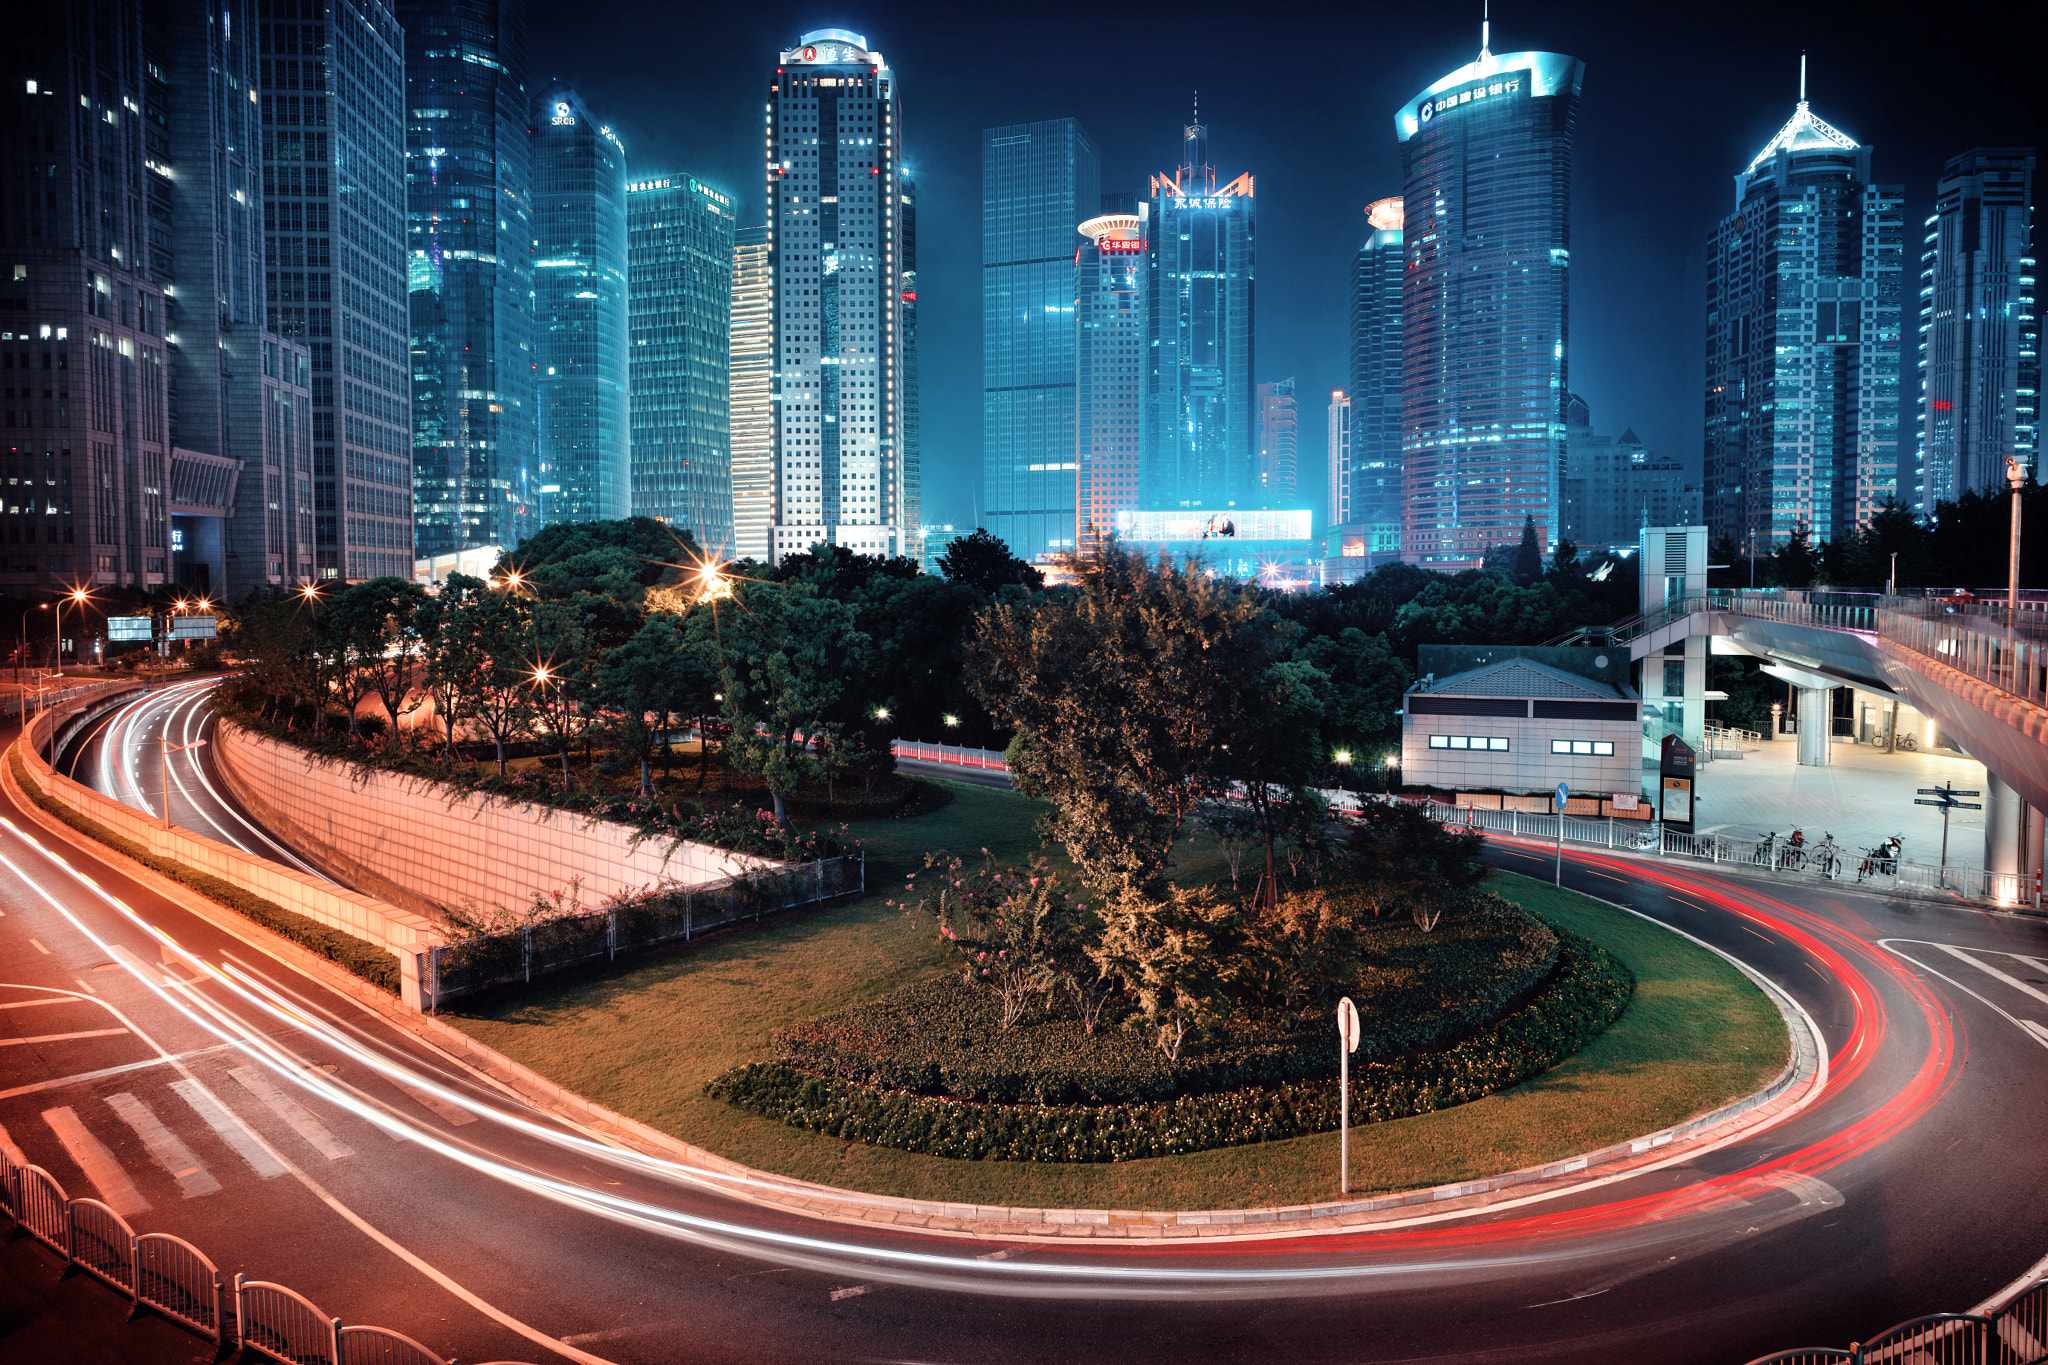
point(946, 1038)
point(358, 956)
point(1588, 992)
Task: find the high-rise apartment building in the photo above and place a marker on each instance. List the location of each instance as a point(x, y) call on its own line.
point(1201, 423)
point(334, 211)
point(1338, 465)
point(912, 498)
point(1374, 493)
point(1980, 328)
point(582, 390)
point(1109, 319)
point(1486, 156)
point(751, 394)
point(146, 407)
point(1279, 445)
point(836, 208)
point(679, 255)
point(1037, 181)
point(469, 272)
point(1613, 486)
point(1802, 391)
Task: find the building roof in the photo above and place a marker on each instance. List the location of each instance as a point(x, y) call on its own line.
point(1520, 678)
point(1805, 131)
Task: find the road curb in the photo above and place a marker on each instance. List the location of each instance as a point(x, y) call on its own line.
point(1793, 1088)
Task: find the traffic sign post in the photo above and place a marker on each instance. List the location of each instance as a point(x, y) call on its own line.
point(1558, 798)
point(1945, 796)
point(1347, 1043)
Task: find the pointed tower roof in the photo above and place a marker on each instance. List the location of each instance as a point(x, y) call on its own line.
point(1804, 131)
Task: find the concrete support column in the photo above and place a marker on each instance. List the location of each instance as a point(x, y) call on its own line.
point(2004, 817)
point(1816, 719)
point(2033, 826)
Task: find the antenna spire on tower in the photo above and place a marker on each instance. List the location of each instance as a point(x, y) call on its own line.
point(1486, 28)
point(1802, 78)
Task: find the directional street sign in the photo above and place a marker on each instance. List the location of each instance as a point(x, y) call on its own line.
point(1562, 794)
point(1951, 805)
point(1945, 797)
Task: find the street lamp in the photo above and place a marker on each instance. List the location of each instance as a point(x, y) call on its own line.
point(80, 596)
point(1343, 757)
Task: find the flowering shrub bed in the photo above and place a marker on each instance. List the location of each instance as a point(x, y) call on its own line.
point(1588, 991)
point(946, 1038)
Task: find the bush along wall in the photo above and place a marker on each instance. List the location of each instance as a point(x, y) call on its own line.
point(1588, 991)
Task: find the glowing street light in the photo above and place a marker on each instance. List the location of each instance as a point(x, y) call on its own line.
point(881, 713)
point(79, 597)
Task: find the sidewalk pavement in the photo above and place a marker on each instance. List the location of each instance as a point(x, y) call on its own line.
point(1863, 797)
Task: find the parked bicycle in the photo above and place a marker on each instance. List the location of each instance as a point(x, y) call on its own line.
point(1882, 861)
point(1646, 839)
point(1826, 859)
point(1904, 743)
point(1766, 854)
point(1793, 856)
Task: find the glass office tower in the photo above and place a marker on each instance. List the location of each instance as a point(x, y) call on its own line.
point(1279, 444)
point(1338, 460)
point(836, 211)
point(1109, 365)
point(751, 394)
point(906, 389)
point(679, 255)
point(1802, 391)
point(1037, 181)
point(579, 314)
point(1373, 493)
point(334, 200)
point(1980, 331)
point(1486, 156)
point(1201, 423)
point(469, 272)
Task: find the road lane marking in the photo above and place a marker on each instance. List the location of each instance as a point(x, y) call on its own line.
point(1991, 971)
point(30, 1004)
point(82, 986)
point(228, 1129)
point(84, 1076)
point(115, 1188)
point(37, 944)
point(1689, 905)
point(165, 1147)
point(1765, 937)
point(2037, 1030)
point(455, 1114)
point(292, 1112)
point(14, 1153)
point(60, 1038)
point(1890, 945)
point(851, 1291)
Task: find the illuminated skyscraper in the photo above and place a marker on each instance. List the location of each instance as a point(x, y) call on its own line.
point(469, 272)
point(679, 253)
point(579, 313)
point(1374, 493)
point(1339, 460)
point(1109, 354)
point(835, 226)
point(751, 391)
point(1980, 330)
point(912, 512)
point(1802, 410)
point(1279, 445)
point(1037, 181)
point(1486, 155)
point(1200, 429)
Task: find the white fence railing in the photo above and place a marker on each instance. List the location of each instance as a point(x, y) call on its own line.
point(958, 754)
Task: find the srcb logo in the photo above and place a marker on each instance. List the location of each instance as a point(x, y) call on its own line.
point(1426, 112)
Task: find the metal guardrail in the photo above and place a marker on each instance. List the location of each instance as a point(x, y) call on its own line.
point(2016, 1334)
point(174, 1279)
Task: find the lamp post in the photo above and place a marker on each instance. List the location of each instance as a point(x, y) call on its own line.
point(164, 770)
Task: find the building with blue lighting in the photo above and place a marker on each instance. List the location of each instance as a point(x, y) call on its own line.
point(1486, 156)
point(582, 386)
point(1037, 181)
point(680, 259)
point(1371, 491)
point(469, 273)
point(1200, 423)
point(1803, 334)
point(1109, 321)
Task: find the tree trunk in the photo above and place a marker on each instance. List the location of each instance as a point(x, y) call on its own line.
point(568, 781)
point(646, 788)
point(501, 754)
point(780, 817)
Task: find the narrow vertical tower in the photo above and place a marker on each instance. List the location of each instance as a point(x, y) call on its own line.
point(1372, 495)
point(1109, 353)
point(1486, 155)
point(751, 393)
point(835, 231)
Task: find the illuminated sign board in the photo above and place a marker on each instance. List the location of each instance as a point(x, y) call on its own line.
point(1204, 201)
point(1226, 524)
point(129, 628)
point(192, 628)
point(563, 118)
point(1430, 108)
point(1114, 244)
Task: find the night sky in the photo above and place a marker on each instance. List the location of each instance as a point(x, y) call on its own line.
point(1677, 99)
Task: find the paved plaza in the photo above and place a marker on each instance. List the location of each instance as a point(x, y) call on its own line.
point(1863, 796)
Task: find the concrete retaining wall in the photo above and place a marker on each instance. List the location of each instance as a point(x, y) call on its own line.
point(426, 846)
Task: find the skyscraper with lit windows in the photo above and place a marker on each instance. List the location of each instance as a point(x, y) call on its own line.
point(835, 229)
point(751, 394)
point(1486, 156)
point(1372, 493)
point(1109, 369)
point(1803, 333)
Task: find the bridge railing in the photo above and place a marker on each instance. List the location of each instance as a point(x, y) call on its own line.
point(2016, 1334)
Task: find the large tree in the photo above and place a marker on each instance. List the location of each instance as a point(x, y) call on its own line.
point(646, 682)
point(788, 660)
point(986, 562)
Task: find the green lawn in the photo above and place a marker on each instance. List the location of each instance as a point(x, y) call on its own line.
point(644, 1041)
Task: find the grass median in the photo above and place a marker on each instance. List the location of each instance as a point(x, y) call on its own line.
point(645, 1040)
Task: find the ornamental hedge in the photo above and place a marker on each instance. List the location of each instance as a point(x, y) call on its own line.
point(1587, 992)
point(1415, 991)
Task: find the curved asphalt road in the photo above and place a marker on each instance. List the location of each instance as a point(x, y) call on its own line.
point(394, 1189)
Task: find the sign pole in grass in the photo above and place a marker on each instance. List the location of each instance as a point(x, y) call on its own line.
point(1347, 1043)
point(1560, 796)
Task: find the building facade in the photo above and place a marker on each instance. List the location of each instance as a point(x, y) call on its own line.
point(1980, 328)
point(1521, 720)
point(835, 220)
point(1037, 181)
point(1279, 468)
point(1339, 459)
point(1200, 427)
point(582, 389)
point(750, 393)
point(679, 258)
point(1373, 493)
point(911, 500)
point(469, 272)
point(1109, 364)
point(1803, 332)
point(1486, 156)
point(334, 208)
point(1613, 486)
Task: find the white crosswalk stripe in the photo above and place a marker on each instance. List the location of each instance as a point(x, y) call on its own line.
point(165, 1147)
point(292, 1112)
point(1991, 971)
point(117, 1191)
point(229, 1130)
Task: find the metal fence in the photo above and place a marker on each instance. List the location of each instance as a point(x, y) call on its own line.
point(2016, 1334)
point(174, 1279)
point(949, 753)
point(676, 915)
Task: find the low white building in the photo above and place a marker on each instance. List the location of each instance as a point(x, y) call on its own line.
point(1518, 724)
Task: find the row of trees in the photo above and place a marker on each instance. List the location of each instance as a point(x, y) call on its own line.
point(1963, 544)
